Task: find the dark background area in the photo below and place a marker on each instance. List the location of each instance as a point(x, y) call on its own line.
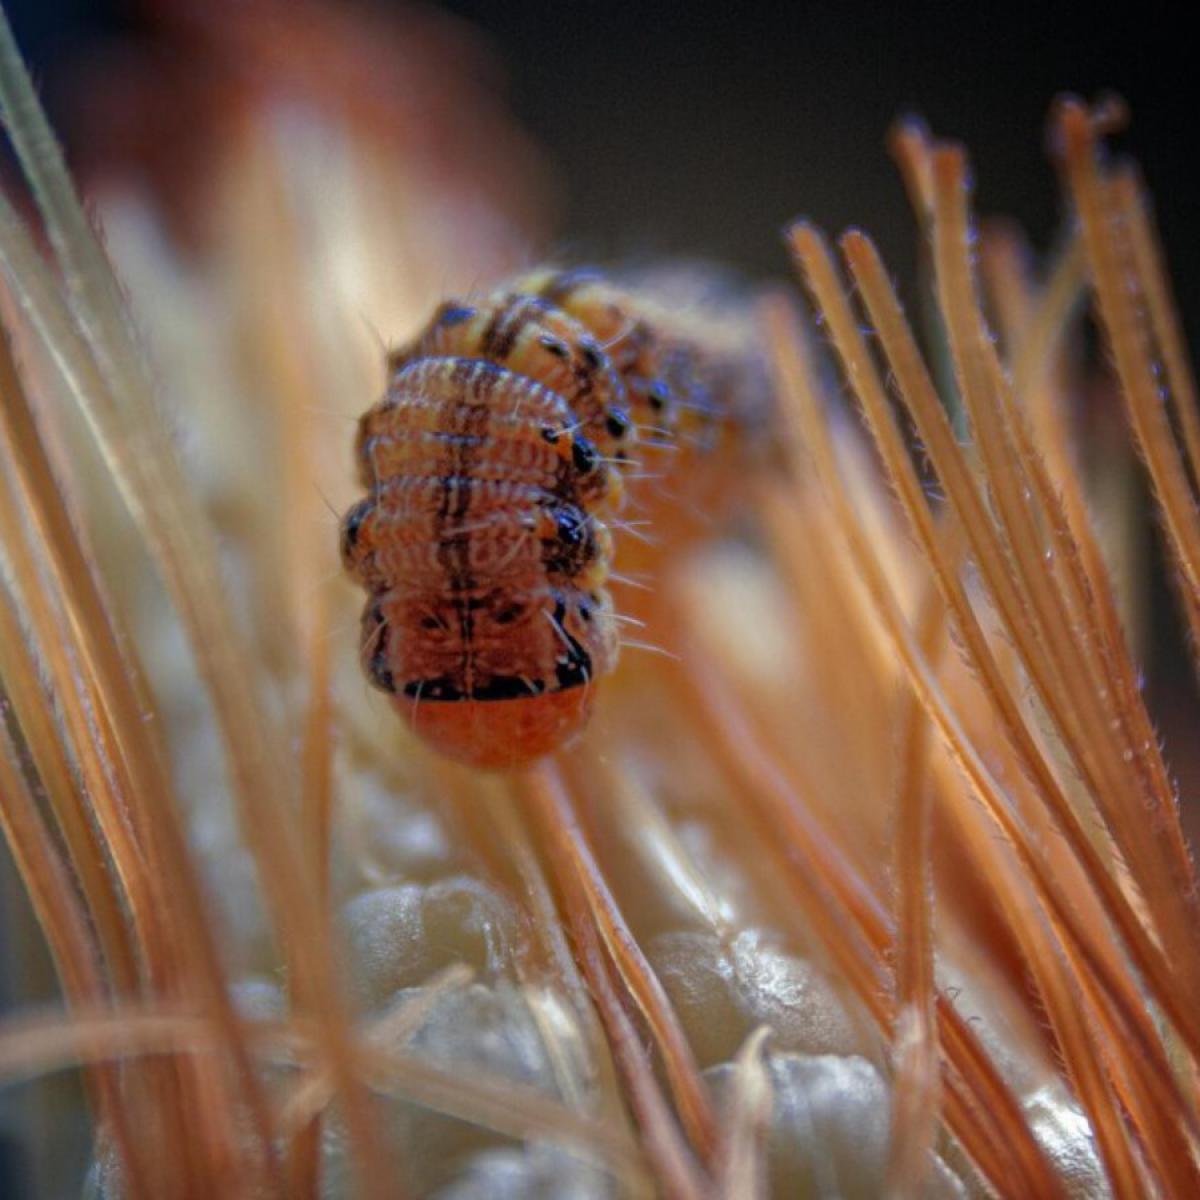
point(704, 128)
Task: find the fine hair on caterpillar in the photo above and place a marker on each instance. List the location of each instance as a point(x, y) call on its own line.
point(495, 468)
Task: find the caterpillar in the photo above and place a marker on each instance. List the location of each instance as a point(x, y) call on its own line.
point(495, 466)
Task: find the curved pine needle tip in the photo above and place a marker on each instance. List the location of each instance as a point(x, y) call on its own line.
point(1108, 114)
point(796, 226)
point(871, 878)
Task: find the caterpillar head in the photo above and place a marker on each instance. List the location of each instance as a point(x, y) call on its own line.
point(495, 680)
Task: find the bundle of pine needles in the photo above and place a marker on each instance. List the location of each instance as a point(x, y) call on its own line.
point(873, 883)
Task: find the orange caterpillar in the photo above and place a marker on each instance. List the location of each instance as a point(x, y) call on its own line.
point(493, 466)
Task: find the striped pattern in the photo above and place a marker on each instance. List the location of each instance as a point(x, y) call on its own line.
point(491, 467)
